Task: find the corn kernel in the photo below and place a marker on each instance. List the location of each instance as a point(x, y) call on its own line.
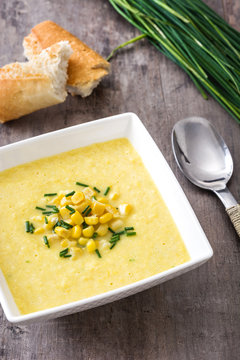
point(77, 197)
point(105, 218)
point(91, 245)
point(73, 243)
point(111, 209)
point(77, 218)
point(64, 213)
point(116, 224)
point(53, 237)
point(64, 243)
point(76, 232)
point(82, 241)
point(88, 232)
point(124, 209)
point(57, 200)
point(69, 221)
point(62, 232)
point(76, 252)
point(65, 201)
point(102, 229)
point(89, 192)
point(39, 230)
point(91, 220)
point(114, 196)
point(82, 206)
point(37, 218)
point(98, 208)
point(103, 200)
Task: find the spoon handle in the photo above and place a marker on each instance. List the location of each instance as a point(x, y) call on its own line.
point(234, 214)
point(232, 207)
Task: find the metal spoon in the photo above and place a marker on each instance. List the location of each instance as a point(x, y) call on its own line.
point(205, 160)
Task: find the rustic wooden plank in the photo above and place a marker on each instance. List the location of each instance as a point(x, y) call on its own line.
point(195, 316)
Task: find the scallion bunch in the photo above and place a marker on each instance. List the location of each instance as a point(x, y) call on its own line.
point(194, 37)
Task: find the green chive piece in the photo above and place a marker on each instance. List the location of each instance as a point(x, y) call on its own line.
point(65, 225)
point(50, 194)
point(72, 210)
point(112, 246)
point(94, 235)
point(45, 239)
point(51, 206)
point(46, 220)
point(67, 256)
point(131, 260)
point(94, 188)
point(27, 226)
point(40, 208)
point(63, 252)
point(55, 211)
point(120, 232)
point(84, 225)
point(70, 194)
point(131, 233)
point(129, 228)
point(85, 209)
point(32, 228)
point(88, 212)
point(111, 230)
point(94, 197)
point(81, 184)
point(98, 253)
point(106, 191)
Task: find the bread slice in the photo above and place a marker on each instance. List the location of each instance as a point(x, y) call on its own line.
point(41, 82)
point(86, 67)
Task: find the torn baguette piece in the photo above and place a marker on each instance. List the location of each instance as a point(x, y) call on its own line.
point(86, 67)
point(36, 84)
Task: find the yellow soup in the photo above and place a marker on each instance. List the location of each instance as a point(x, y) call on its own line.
point(37, 276)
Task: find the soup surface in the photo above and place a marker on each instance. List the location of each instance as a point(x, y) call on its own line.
point(37, 276)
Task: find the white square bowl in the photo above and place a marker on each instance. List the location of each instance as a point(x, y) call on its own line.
point(125, 125)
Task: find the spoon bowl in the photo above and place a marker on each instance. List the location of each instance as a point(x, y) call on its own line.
point(205, 160)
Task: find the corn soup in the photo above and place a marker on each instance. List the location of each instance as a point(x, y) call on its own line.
point(83, 223)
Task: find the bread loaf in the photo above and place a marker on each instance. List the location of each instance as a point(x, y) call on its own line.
point(33, 85)
point(86, 67)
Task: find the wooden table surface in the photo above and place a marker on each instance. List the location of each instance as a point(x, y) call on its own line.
point(195, 316)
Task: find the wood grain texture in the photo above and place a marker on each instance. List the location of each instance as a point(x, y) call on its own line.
point(193, 317)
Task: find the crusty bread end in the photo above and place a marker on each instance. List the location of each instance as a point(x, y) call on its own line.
point(86, 67)
point(30, 86)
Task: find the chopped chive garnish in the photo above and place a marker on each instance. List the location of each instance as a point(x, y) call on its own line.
point(67, 256)
point(51, 206)
point(111, 230)
point(94, 188)
point(94, 235)
point(70, 194)
point(50, 194)
point(27, 226)
point(65, 225)
point(94, 197)
point(112, 246)
point(107, 190)
point(31, 228)
point(84, 225)
point(40, 208)
point(88, 212)
point(98, 253)
point(63, 252)
point(131, 233)
point(46, 220)
point(81, 184)
point(129, 228)
point(49, 212)
point(85, 209)
point(120, 232)
point(45, 239)
point(72, 210)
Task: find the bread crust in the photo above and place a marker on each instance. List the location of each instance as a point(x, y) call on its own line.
point(86, 68)
point(30, 86)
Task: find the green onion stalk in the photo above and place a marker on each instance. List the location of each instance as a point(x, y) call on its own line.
point(197, 39)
